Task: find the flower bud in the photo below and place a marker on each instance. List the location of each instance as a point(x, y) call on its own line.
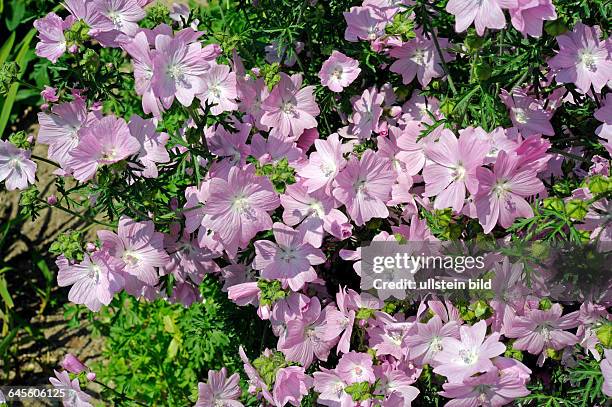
point(72, 364)
point(52, 199)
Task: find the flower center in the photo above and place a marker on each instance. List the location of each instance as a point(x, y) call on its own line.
point(359, 185)
point(176, 72)
point(520, 115)
point(287, 107)
point(109, 155)
point(501, 187)
point(459, 172)
point(328, 168)
point(545, 332)
point(337, 73)
point(587, 59)
point(115, 17)
point(436, 344)
point(287, 254)
point(94, 273)
point(468, 356)
point(372, 33)
point(316, 208)
point(130, 258)
point(215, 90)
point(419, 56)
point(240, 203)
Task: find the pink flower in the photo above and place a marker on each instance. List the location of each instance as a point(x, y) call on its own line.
point(238, 207)
point(219, 89)
point(152, 144)
point(529, 15)
point(489, 389)
point(123, 15)
point(52, 43)
point(288, 109)
point(412, 150)
point(189, 261)
point(274, 53)
point(60, 129)
point(142, 58)
point(606, 371)
point(364, 186)
point(314, 212)
point(291, 385)
point(340, 321)
point(424, 345)
point(419, 57)
point(289, 260)
point(484, 13)
point(49, 94)
point(355, 367)
point(178, 68)
point(539, 330)
point(304, 336)
point(364, 23)
point(604, 114)
point(94, 281)
point(339, 71)
point(527, 114)
point(219, 390)
point(74, 398)
point(139, 248)
point(323, 165)
point(105, 142)
point(583, 59)
point(16, 168)
point(330, 387)
point(256, 383)
point(72, 364)
point(502, 192)
point(453, 167)
point(367, 110)
point(460, 359)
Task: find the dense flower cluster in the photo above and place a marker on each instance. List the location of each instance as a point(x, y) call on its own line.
point(273, 247)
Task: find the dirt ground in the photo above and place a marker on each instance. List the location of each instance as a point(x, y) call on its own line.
point(40, 348)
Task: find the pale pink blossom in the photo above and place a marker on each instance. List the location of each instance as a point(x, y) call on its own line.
point(75, 397)
point(483, 13)
point(489, 389)
point(527, 114)
point(323, 165)
point(367, 110)
point(152, 145)
point(219, 390)
point(339, 71)
point(529, 15)
point(52, 44)
point(364, 186)
point(219, 89)
point(17, 170)
point(364, 23)
point(291, 385)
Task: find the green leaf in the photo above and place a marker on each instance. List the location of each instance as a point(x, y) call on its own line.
point(7, 103)
point(6, 49)
point(6, 297)
point(18, 8)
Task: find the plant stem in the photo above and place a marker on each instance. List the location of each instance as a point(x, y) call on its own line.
point(36, 157)
point(76, 214)
point(434, 36)
point(140, 403)
point(569, 155)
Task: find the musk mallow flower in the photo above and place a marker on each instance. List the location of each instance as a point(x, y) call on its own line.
point(419, 57)
point(472, 354)
point(583, 59)
point(178, 68)
point(355, 367)
point(290, 109)
point(289, 260)
point(364, 23)
point(330, 387)
point(339, 71)
point(528, 16)
point(60, 129)
point(527, 114)
point(16, 168)
point(237, 207)
point(424, 344)
point(452, 167)
point(94, 281)
point(501, 193)
point(364, 186)
point(367, 110)
point(123, 15)
point(291, 385)
point(76, 397)
point(52, 44)
point(105, 142)
point(219, 390)
point(323, 164)
point(604, 131)
point(484, 13)
point(219, 89)
point(152, 145)
point(340, 321)
point(489, 389)
point(304, 336)
point(538, 330)
point(139, 248)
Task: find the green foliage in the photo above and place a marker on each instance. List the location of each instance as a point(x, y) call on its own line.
point(157, 352)
point(70, 244)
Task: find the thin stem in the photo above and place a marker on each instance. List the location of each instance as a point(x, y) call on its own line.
point(76, 214)
point(140, 403)
point(569, 155)
point(434, 36)
point(36, 157)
